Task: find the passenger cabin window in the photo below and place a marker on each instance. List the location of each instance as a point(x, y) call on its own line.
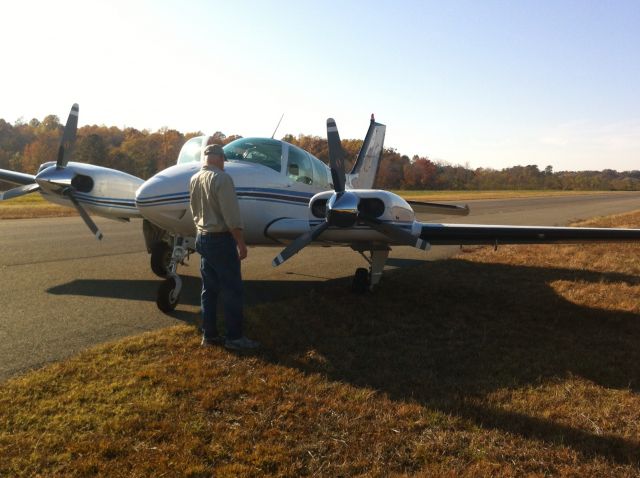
point(191, 150)
point(321, 175)
point(267, 152)
point(299, 168)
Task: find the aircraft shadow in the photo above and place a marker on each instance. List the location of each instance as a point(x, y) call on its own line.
point(437, 340)
point(256, 292)
point(417, 340)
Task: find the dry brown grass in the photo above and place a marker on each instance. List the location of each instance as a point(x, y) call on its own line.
point(435, 195)
point(524, 362)
point(32, 206)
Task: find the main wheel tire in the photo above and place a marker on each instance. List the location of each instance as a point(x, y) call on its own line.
point(360, 283)
point(167, 300)
point(161, 253)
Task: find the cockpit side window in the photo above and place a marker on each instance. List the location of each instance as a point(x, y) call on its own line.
point(267, 152)
point(299, 168)
point(321, 176)
point(191, 150)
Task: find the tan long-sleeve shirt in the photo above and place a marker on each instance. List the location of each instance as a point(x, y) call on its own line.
point(213, 200)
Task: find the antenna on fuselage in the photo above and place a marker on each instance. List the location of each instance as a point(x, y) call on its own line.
point(274, 131)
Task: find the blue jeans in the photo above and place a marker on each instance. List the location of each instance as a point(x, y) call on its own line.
point(220, 269)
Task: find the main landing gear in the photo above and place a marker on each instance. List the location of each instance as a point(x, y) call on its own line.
point(365, 280)
point(164, 263)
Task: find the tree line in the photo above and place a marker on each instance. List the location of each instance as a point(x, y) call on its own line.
point(26, 145)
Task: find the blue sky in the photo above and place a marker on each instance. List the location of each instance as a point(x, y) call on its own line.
point(488, 84)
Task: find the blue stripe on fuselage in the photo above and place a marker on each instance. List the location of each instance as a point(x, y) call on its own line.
point(258, 194)
point(104, 202)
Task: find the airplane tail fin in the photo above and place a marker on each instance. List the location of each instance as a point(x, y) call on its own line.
point(365, 169)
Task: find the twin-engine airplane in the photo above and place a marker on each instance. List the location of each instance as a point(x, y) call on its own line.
point(287, 197)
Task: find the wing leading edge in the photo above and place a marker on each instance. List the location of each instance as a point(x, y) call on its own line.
point(461, 234)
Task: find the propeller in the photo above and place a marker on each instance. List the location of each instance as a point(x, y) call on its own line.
point(58, 179)
point(336, 156)
point(297, 245)
point(394, 232)
point(30, 184)
point(343, 207)
point(62, 179)
point(83, 213)
point(68, 137)
point(19, 191)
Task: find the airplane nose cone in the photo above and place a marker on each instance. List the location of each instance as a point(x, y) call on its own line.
point(53, 179)
point(163, 200)
point(160, 191)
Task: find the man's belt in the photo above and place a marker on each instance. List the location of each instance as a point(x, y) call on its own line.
point(215, 234)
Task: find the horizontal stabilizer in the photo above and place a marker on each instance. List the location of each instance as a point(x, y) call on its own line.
point(16, 177)
point(435, 208)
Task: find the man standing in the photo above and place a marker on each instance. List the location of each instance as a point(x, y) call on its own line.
point(220, 243)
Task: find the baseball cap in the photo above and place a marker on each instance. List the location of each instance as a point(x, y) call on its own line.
point(214, 149)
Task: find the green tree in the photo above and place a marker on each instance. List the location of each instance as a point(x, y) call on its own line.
point(91, 149)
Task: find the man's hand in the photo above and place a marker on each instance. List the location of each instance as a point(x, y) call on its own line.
point(242, 251)
point(242, 247)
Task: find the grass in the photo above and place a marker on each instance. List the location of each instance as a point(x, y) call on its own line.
point(432, 195)
point(32, 206)
point(523, 362)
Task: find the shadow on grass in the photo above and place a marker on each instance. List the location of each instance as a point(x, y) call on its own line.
point(444, 335)
point(256, 292)
point(451, 332)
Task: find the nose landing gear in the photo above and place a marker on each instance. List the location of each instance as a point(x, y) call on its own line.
point(169, 291)
point(161, 255)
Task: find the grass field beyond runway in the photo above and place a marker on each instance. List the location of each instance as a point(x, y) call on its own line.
point(519, 362)
point(33, 206)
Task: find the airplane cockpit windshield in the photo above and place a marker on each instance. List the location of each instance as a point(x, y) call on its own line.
point(301, 166)
point(267, 152)
point(191, 150)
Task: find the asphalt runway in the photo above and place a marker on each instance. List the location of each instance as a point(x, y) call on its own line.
point(62, 291)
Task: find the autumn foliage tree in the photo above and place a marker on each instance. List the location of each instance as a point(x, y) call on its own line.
point(24, 146)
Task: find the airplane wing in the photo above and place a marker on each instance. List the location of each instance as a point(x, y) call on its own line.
point(461, 234)
point(16, 177)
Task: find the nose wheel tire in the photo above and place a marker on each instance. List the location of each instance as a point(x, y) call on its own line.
point(168, 295)
point(161, 253)
point(360, 283)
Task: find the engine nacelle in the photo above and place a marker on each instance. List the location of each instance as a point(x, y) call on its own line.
point(102, 191)
point(376, 203)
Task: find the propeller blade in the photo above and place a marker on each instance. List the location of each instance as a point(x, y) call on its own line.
point(435, 208)
point(395, 233)
point(84, 215)
point(68, 137)
point(16, 177)
point(336, 156)
point(300, 242)
point(19, 191)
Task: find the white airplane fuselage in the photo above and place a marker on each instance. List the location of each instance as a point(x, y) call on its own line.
point(264, 196)
point(276, 182)
point(271, 204)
